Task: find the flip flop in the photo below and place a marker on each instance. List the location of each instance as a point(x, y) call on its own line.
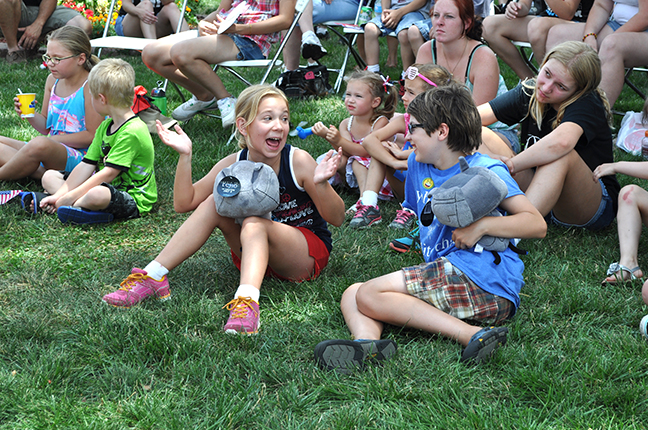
point(616, 268)
point(29, 197)
point(483, 344)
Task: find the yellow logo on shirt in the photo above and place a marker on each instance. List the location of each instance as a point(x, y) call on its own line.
point(428, 183)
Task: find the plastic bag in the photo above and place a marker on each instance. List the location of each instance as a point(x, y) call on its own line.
point(631, 133)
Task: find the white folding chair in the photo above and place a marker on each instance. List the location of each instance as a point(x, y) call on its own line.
point(349, 37)
point(527, 53)
point(124, 42)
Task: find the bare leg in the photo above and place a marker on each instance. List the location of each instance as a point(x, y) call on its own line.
point(9, 19)
point(52, 181)
point(633, 211)
point(195, 231)
point(538, 28)
point(563, 32)
point(499, 32)
point(372, 46)
point(415, 39)
point(566, 187)
point(386, 299)
point(407, 53)
point(360, 173)
point(493, 145)
point(392, 52)
point(194, 58)
point(617, 51)
point(27, 161)
point(82, 23)
point(168, 21)
point(96, 199)
point(282, 247)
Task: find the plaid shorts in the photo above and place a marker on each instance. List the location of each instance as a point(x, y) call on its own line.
point(446, 288)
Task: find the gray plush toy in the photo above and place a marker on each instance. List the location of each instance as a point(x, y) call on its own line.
point(246, 189)
point(474, 193)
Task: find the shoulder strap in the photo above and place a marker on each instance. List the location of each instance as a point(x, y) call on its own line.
point(470, 58)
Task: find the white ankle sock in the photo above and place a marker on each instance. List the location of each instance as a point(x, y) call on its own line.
point(247, 290)
point(369, 198)
point(156, 271)
point(373, 68)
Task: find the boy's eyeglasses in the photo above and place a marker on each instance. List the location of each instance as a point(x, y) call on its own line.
point(411, 127)
point(412, 73)
point(56, 60)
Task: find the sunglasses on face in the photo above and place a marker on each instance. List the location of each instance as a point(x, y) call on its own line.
point(411, 127)
point(56, 60)
point(412, 73)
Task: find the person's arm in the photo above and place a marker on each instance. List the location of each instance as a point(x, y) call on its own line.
point(637, 169)
point(517, 9)
point(639, 22)
point(484, 74)
point(187, 195)
point(552, 147)
point(33, 31)
point(373, 143)
point(391, 17)
point(78, 190)
point(270, 25)
point(597, 18)
point(424, 54)
point(487, 115)
point(39, 121)
point(314, 179)
point(524, 221)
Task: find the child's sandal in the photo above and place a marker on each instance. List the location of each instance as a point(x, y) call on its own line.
point(615, 268)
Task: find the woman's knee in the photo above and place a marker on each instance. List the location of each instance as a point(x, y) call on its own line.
point(630, 194)
point(371, 31)
point(367, 296)
point(154, 54)
point(38, 147)
point(612, 48)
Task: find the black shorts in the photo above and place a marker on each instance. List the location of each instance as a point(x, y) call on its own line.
point(122, 205)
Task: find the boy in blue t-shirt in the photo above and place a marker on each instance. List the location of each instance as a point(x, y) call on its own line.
point(456, 286)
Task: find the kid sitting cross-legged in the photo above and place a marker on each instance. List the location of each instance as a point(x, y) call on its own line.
point(124, 186)
point(294, 245)
point(456, 286)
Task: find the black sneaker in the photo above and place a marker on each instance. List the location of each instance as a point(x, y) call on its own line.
point(483, 344)
point(345, 356)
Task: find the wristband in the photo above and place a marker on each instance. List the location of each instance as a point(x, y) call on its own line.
point(588, 35)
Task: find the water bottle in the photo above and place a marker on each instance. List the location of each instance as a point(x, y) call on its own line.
point(377, 8)
point(644, 146)
point(158, 96)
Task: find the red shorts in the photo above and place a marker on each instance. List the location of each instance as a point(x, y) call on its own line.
point(316, 249)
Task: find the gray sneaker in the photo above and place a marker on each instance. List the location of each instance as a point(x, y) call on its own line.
point(191, 107)
point(365, 216)
point(345, 356)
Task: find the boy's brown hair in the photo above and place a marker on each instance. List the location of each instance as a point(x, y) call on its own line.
point(453, 105)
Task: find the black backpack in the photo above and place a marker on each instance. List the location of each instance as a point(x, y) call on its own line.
point(305, 82)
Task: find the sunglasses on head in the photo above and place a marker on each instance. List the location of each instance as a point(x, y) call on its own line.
point(413, 72)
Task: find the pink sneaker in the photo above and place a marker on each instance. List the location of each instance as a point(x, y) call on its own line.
point(136, 288)
point(244, 316)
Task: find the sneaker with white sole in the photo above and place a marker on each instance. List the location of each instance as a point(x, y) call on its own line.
point(311, 46)
point(191, 107)
point(366, 216)
point(227, 109)
point(136, 288)
point(244, 316)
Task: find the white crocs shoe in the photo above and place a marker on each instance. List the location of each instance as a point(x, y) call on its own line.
point(191, 107)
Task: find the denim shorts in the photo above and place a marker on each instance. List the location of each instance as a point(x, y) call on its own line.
point(248, 49)
point(122, 205)
point(615, 25)
point(406, 22)
point(58, 19)
point(511, 137)
point(601, 219)
point(340, 10)
point(119, 25)
point(424, 27)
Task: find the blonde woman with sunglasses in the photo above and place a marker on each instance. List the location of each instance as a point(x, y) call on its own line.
point(67, 120)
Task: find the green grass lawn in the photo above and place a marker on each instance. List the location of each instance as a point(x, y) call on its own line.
point(574, 358)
